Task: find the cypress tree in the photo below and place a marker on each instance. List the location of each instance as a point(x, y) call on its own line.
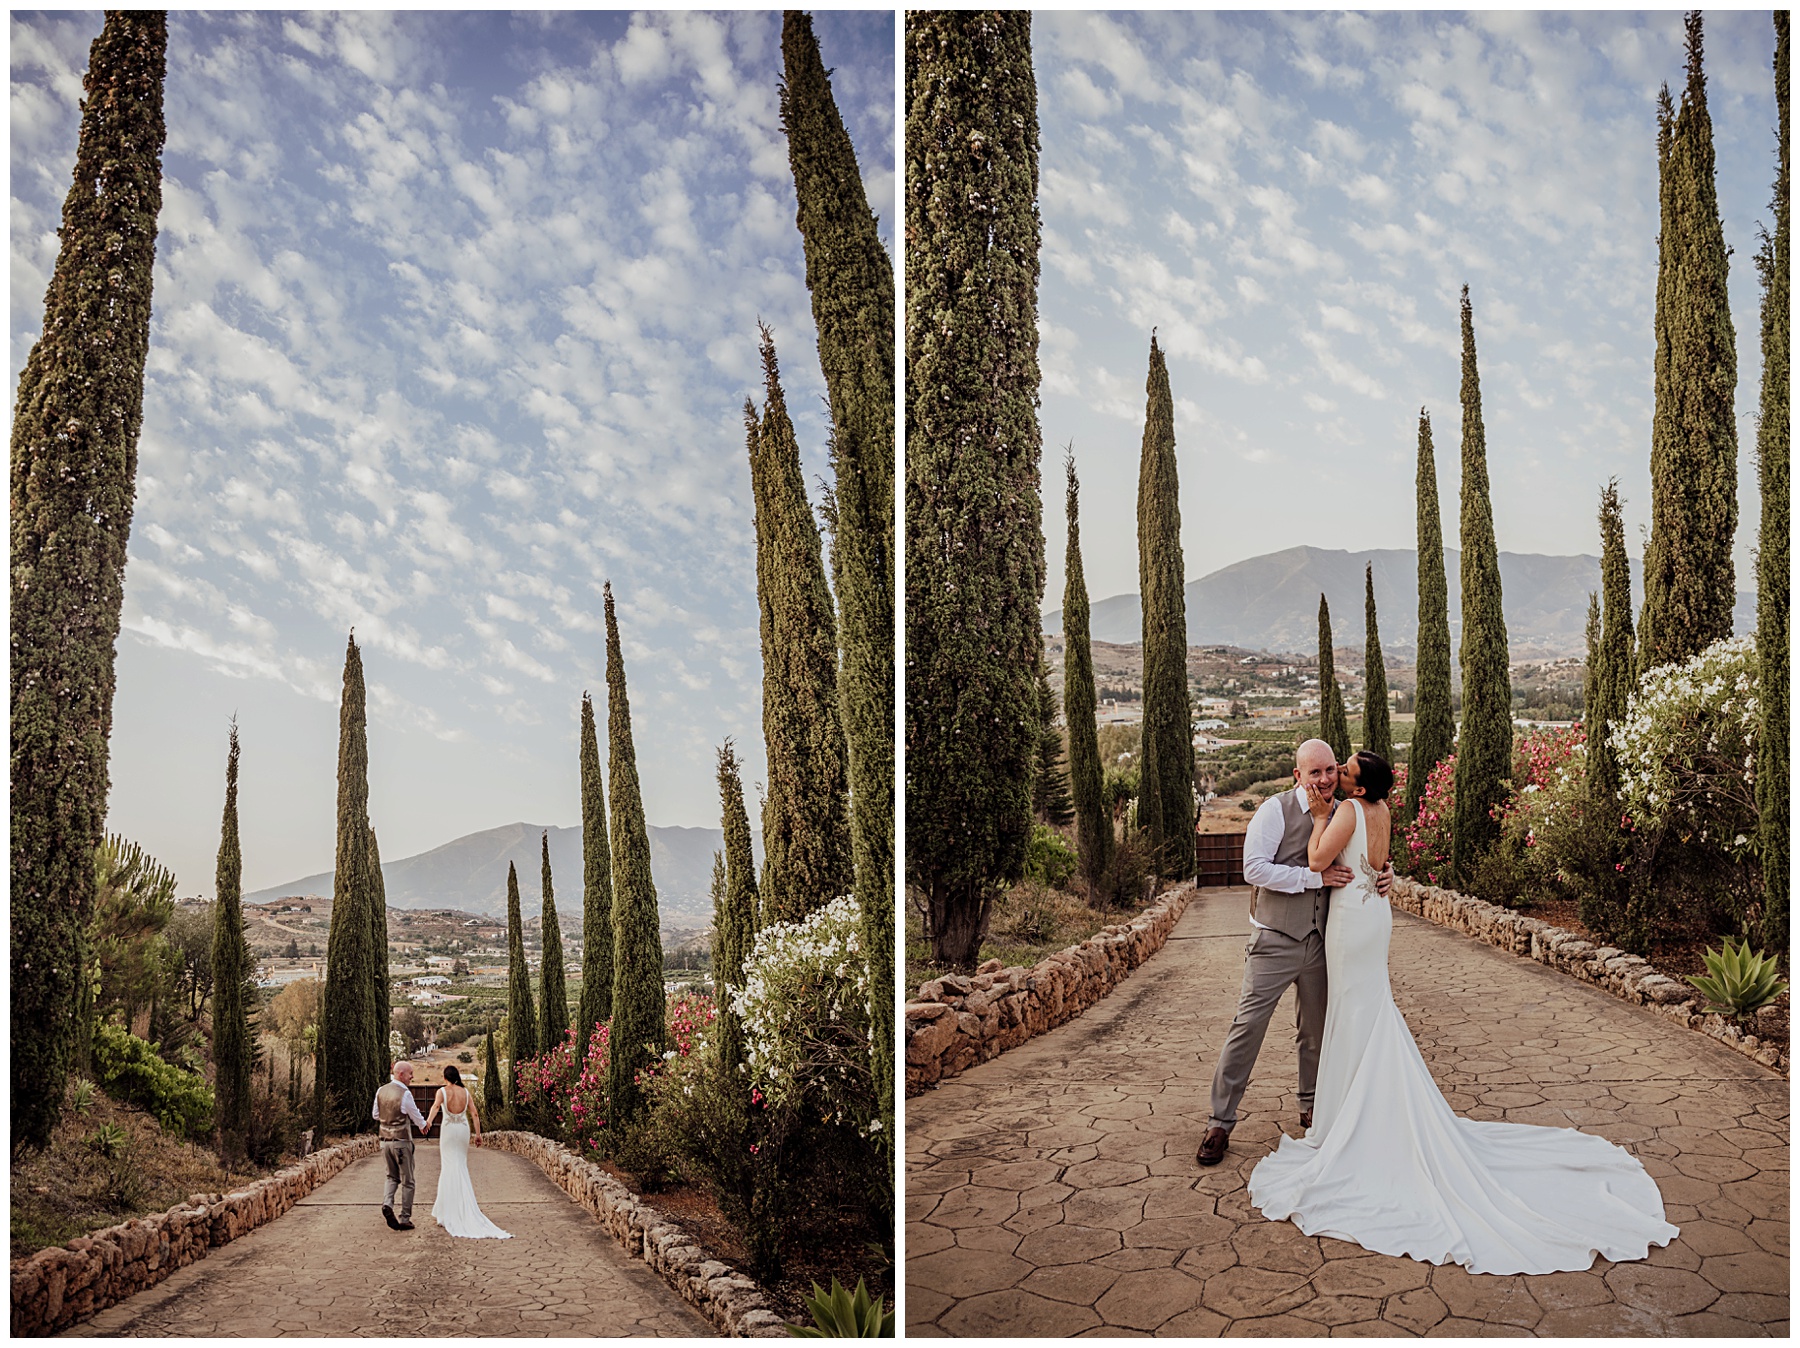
point(74, 477)
point(350, 1042)
point(233, 980)
point(1689, 580)
point(1377, 734)
point(553, 1021)
point(493, 1090)
point(1612, 678)
point(1772, 789)
point(596, 886)
point(639, 1025)
point(1334, 722)
point(974, 534)
point(734, 908)
point(1484, 750)
point(1434, 720)
point(851, 280)
point(382, 989)
point(806, 831)
point(1166, 773)
point(1591, 669)
point(521, 1015)
point(1050, 792)
point(1093, 821)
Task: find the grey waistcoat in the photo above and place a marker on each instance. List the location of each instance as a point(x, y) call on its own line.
point(1292, 914)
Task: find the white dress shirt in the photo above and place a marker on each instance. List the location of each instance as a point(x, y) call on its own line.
point(408, 1106)
point(1261, 840)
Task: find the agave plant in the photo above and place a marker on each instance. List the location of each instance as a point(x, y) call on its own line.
point(840, 1314)
point(1738, 981)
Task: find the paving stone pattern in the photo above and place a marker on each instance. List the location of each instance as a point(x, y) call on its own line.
point(331, 1267)
point(1054, 1190)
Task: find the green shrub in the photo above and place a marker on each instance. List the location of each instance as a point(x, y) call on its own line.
point(1738, 981)
point(108, 1139)
point(1129, 872)
point(1048, 859)
point(129, 1069)
point(82, 1097)
point(842, 1314)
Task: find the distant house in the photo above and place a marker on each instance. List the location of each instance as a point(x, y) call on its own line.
point(440, 961)
point(430, 981)
point(1211, 723)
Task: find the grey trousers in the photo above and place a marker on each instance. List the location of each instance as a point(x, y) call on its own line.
point(399, 1158)
point(1272, 962)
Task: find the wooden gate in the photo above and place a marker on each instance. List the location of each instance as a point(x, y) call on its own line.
point(1219, 858)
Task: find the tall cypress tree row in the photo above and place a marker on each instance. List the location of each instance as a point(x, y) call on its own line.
point(974, 534)
point(74, 479)
point(806, 827)
point(1378, 735)
point(1166, 765)
point(1484, 751)
point(639, 1025)
point(1434, 719)
point(1772, 788)
point(350, 1041)
point(1334, 721)
point(1689, 580)
point(851, 280)
point(553, 1019)
point(233, 980)
point(1093, 821)
point(1050, 789)
point(521, 1015)
point(596, 886)
point(1613, 677)
point(493, 1090)
point(381, 989)
point(734, 914)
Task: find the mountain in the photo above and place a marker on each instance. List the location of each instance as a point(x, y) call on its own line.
point(1271, 603)
point(470, 872)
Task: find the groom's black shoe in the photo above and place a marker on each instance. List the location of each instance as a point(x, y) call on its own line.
point(403, 1226)
point(1212, 1146)
point(1305, 1119)
point(388, 1213)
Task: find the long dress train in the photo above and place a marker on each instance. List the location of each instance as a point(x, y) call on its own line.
point(1389, 1165)
point(456, 1209)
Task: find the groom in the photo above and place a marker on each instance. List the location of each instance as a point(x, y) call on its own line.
point(1289, 903)
point(396, 1111)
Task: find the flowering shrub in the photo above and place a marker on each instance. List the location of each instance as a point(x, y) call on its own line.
point(1549, 775)
point(805, 1009)
point(1424, 851)
point(1687, 749)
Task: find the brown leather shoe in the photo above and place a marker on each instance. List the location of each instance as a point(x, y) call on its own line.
point(1212, 1146)
point(1305, 1119)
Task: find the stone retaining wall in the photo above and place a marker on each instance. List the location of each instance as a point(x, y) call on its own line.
point(59, 1287)
point(1628, 977)
point(955, 1021)
point(735, 1304)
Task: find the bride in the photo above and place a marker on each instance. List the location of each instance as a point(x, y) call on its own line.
point(1387, 1163)
point(456, 1209)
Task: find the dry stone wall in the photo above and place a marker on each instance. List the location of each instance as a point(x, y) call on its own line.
point(56, 1288)
point(955, 1022)
point(735, 1304)
point(1628, 977)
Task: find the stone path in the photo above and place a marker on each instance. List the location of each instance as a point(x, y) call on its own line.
point(331, 1267)
point(1054, 1191)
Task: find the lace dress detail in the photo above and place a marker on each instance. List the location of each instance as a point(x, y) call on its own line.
point(1389, 1165)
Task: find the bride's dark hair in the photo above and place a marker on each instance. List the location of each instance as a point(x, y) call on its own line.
point(453, 1076)
point(1373, 775)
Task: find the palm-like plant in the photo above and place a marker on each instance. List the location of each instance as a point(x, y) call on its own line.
point(1738, 980)
point(843, 1314)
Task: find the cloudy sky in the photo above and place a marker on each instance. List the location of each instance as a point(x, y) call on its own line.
point(1295, 200)
point(455, 315)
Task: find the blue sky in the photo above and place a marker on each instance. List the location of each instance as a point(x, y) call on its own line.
point(454, 319)
point(1295, 200)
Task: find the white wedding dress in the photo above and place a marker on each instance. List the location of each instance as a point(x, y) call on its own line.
point(1389, 1165)
point(456, 1209)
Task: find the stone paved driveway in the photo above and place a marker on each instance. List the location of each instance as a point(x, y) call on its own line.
point(1054, 1191)
point(331, 1267)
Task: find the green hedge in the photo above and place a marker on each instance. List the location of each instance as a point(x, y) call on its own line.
point(130, 1069)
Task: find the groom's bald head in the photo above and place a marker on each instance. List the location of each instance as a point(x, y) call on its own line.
point(1315, 764)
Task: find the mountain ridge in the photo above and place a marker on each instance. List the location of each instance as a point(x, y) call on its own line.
point(1271, 602)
